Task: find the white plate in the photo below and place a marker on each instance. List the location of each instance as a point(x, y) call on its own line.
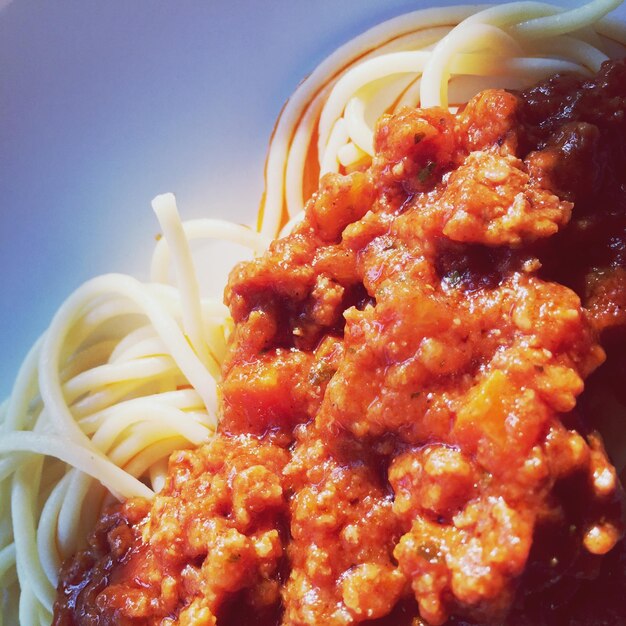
point(105, 104)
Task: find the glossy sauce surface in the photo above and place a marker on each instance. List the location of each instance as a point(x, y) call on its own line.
point(403, 438)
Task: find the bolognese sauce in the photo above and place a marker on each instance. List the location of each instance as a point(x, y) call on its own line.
point(408, 431)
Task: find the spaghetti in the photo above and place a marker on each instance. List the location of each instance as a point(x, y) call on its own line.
point(128, 372)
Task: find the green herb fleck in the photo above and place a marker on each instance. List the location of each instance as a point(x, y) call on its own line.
point(425, 173)
point(321, 374)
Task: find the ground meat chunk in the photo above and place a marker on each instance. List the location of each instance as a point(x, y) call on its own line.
point(342, 535)
point(473, 560)
point(340, 201)
point(415, 147)
point(489, 121)
point(435, 479)
point(492, 200)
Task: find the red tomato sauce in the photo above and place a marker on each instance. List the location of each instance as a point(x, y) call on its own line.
point(412, 394)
